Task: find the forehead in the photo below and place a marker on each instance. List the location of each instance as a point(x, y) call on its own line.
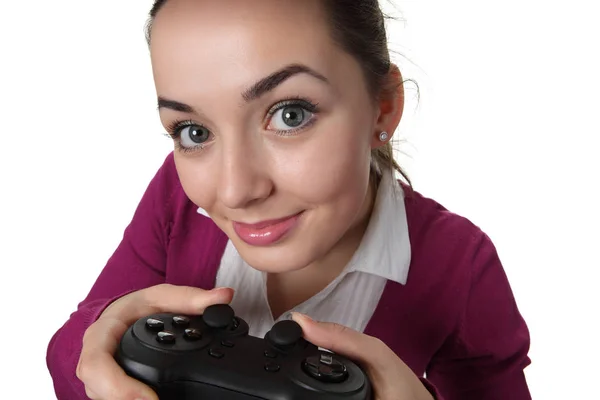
point(239, 39)
point(260, 15)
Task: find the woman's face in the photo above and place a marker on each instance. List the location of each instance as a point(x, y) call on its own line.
point(273, 121)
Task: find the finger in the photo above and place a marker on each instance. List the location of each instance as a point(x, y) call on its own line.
point(98, 370)
point(185, 299)
point(343, 340)
point(168, 298)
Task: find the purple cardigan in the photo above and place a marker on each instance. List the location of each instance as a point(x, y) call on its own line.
point(455, 320)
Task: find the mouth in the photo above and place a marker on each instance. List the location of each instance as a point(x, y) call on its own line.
point(265, 233)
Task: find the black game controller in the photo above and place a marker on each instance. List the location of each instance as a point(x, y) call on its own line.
point(212, 357)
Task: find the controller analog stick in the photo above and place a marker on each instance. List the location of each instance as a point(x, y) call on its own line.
point(218, 316)
point(285, 333)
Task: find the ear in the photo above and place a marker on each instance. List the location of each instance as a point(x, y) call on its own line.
point(390, 107)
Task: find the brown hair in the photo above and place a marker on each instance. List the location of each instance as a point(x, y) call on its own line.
point(358, 26)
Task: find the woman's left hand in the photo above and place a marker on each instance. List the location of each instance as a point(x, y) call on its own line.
point(391, 378)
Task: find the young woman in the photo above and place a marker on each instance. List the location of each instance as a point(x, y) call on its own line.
point(281, 198)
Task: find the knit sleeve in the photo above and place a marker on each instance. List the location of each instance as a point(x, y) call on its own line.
point(485, 358)
point(138, 262)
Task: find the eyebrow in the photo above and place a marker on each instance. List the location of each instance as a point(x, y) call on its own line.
point(257, 90)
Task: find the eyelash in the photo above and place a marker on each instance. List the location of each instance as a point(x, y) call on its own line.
point(174, 128)
point(309, 106)
point(173, 131)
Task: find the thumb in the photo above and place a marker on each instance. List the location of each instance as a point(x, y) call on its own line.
point(184, 299)
point(339, 339)
point(167, 298)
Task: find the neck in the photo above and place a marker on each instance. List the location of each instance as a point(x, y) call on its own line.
point(287, 290)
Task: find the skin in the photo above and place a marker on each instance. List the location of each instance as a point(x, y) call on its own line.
point(206, 54)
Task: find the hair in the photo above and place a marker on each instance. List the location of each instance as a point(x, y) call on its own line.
point(359, 28)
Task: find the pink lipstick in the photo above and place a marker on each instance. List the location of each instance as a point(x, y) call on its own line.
point(265, 233)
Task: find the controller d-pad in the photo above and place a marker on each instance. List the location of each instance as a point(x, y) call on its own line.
point(325, 368)
point(155, 324)
point(180, 320)
point(165, 337)
point(192, 334)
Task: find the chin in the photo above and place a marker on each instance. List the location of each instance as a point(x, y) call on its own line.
point(276, 259)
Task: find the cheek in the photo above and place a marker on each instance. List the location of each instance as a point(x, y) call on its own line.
point(333, 164)
point(198, 184)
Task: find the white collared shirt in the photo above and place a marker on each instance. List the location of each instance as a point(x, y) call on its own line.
point(350, 299)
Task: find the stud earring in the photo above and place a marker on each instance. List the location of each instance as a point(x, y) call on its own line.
point(383, 136)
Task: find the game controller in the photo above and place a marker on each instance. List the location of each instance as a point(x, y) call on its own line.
point(212, 356)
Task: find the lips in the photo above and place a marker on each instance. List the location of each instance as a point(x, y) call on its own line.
point(266, 233)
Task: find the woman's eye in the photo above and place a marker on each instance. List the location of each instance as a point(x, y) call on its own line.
point(290, 118)
point(193, 135)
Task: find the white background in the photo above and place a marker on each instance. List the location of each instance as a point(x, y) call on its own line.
point(506, 133)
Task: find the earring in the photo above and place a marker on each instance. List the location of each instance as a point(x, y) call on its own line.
point(383, 136)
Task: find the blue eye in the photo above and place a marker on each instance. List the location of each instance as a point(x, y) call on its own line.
point(188, 135)
point(291, 116)
point(193, 135)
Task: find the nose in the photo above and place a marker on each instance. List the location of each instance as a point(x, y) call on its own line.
point(244, 175)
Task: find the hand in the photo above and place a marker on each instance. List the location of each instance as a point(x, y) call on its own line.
point(392, 379)
point(97, 369)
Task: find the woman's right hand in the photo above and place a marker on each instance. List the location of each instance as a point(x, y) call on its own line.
point(97, 369)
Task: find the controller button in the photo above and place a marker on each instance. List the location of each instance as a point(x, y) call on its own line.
point(155, 324)
point(270, 354)
point(192, 334)
point(285, 333)
point(227, 343)
point(272, 367)
point(216, 353)
point(179, 320)
point(218, 316)
point(325, 368)
point(165, 337)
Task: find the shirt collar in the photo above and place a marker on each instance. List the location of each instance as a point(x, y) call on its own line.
point(385, 248)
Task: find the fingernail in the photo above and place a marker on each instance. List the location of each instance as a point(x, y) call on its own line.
point(302, 316)
point(220, 289)
point(217, 291)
